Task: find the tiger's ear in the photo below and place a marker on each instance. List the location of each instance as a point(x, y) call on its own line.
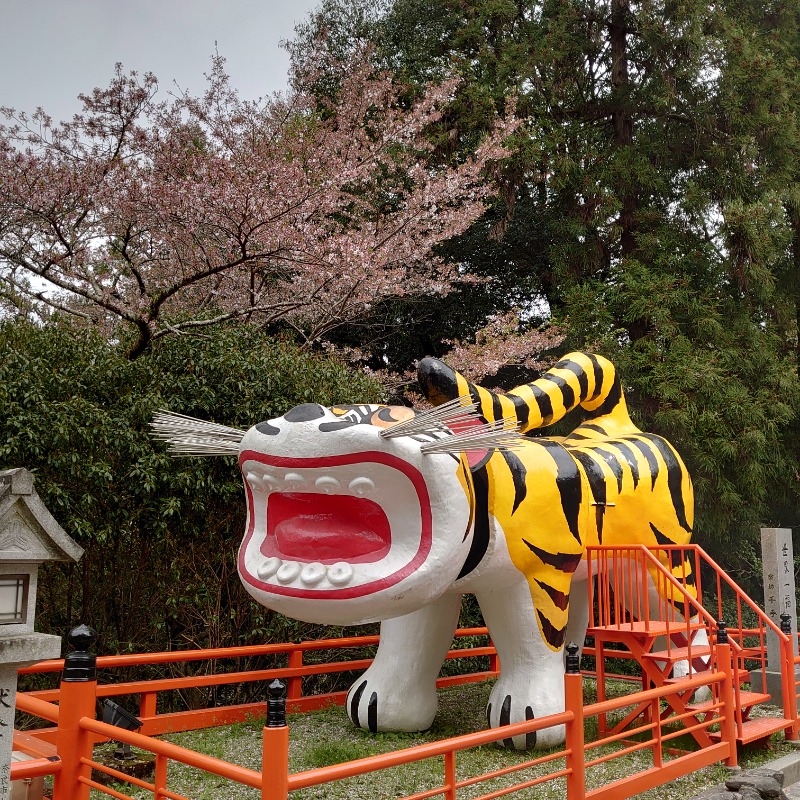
point(438, 382)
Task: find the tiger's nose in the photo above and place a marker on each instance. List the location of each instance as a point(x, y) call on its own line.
point(305, 413)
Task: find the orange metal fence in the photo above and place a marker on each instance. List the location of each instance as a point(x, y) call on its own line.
point(78, 731)
point(644, 593)
point(622, 599)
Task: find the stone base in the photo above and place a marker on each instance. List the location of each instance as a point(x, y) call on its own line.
point(25, 649)
point(773, 685)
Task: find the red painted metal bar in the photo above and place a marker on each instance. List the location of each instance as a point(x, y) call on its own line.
point(175, 656)
point(37, 707)
point(314, 777)
point(215, 766)
point(35, 768)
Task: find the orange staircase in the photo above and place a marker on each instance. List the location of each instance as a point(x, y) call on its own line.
point(647, 604)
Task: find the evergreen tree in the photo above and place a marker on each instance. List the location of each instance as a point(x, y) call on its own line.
point(651, 204)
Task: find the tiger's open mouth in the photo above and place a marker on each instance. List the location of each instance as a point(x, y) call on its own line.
point(333, 527)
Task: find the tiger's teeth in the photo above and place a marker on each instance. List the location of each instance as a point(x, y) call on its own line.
point(340, 573)
point(287, 572)
point(270, 483)
point(361, 486)
point(268, 568)
point(294, 480)
point(327, 484)
point(312, 574)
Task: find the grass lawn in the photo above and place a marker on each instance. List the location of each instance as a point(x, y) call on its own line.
point(327, 737)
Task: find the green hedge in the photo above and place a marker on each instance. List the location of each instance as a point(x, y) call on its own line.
point(160, 534)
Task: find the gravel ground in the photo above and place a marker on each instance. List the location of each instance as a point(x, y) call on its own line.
point(327, 737)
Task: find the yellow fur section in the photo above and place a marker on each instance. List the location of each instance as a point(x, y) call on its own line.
point(540, 521)
point(629, 509)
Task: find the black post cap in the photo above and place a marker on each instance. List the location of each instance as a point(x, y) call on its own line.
point(786, 624)
point(276, 705)
point(80, 665)
point(573, 663)
point(722, 632)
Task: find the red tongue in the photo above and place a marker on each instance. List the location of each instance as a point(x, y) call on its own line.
point(328, 528)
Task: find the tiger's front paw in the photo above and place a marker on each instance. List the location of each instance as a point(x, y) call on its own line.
point(384, 703)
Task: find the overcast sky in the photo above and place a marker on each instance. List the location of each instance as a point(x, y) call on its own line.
point(52, 50)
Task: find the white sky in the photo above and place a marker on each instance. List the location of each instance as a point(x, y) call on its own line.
point(52, 50)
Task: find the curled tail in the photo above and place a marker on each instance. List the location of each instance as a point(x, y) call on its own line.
point(578, 379)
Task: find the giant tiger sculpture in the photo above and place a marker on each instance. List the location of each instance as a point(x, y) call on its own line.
point(364, 513)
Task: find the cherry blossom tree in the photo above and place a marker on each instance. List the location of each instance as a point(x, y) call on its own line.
point(167, 215)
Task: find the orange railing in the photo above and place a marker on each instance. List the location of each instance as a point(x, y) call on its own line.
point(635, 591)
point(621, 599)
point(293, 673)
point(78, 731)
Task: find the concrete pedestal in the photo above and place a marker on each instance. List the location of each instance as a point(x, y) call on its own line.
point(15, 652)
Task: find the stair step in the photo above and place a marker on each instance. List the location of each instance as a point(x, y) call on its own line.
point(747, 700)
point(652, 627)
point(675, 654)
point(755, 729)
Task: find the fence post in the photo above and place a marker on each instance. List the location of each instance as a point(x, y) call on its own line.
point(573, 697)
point(494, 660)
point(727, 727)
point(789, 679)
point(77, 699)
point(295, 682)
point(275, 746)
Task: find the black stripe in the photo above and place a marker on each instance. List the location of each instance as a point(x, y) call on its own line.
point(530, 738)
point(595, 428)
point(372, 713)
point(598, 376)
point(522, 409)
point(505, 718)
point(554, 636)
point(675, 559)
point(597, 483)
point(356, 699)
point(544, 404)
point(613, 464)
point(476, 398)
point(611, 402)
point(567, 392)
point(560, 600)
point(574, 435)
point(497, 408)
point(674, 477)
point(595, 474)
point(649, 456)
point(630, 459)
point(579, 372)
point(568, 482)
point(328, 427)
point(518, 473)
point(480, 536)
point(566, 562)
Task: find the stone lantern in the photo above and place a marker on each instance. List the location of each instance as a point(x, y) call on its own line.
point(29, 536)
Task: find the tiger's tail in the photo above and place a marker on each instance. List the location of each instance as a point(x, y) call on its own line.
point(578, 379)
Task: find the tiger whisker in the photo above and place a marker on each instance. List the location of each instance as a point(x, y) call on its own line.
point(188, 436)
point(441, 419)
point(499, 435)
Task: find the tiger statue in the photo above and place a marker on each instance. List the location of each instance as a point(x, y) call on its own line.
point(364, 513)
